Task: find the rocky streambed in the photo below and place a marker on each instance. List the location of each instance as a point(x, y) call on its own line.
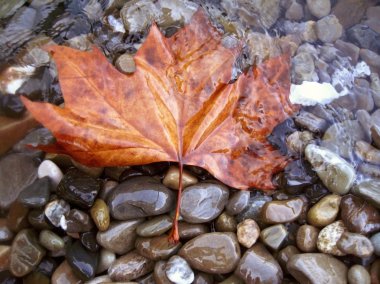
point(63, 222)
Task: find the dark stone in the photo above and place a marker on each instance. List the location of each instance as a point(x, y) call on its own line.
point(78, 221)
point(37, 194)
point(47, 266)
point(364, 37)
point(38, 219)
point(78, 188)
point(82, 261)
point(140, 197)
point(88, 240)
point(11, 106)
point(278, 136)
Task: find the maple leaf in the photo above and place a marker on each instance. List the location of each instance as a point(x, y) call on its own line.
point(177, 106)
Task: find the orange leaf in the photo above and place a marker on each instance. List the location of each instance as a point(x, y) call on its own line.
point(177, 106)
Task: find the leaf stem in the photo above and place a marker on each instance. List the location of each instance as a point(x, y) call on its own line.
point(174, 235)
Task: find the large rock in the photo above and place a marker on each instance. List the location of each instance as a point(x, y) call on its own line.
point(17, 171)
point(317, 268)
point(258, 266)
point(351, 12)
point(212, 252)
point(140, 197)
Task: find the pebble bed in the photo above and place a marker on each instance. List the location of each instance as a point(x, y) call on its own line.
point(62, 222)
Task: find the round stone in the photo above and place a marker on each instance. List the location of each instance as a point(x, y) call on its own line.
point(203, 202)
point(100, 214)
point(77, 221)
point(171, 178)
point(317, 268)
point(329, 29)
point(356, 244)
point(178, 270)
point(156, 248)
point(155, 226)
point(258, 266)
point(5, 253)
point(64, 274)
point(140, 197)
point(325, 211)
point(368, 190)
point(106, 258)
point(375, 240)
point(282, 211)
point(88, 240)
point(307, 238)
point(159, 274)
point(82, 261)
point(285, 254)
point(51, 241)
point(212, 252)
point(129, 267)
point(189, 231)
point(125, 63)
point(248, 232)
point(320, 8)
point(358, 274)
point(26, 253)
point(51, 170)
point(225, 223)
point(328, 238)
point(120, 237)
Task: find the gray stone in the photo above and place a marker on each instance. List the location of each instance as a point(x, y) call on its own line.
point(375, 240)
point(329, 29)
point(364, 37)
point(319, 8)
point(274, 236)
point(178, 270)
point(369, 190)
point(336, 174)
point(357, 274)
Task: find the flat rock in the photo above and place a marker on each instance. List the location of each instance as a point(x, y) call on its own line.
point(17, 171)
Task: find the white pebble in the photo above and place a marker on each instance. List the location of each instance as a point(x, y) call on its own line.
point(48, 168)
point(178, 271)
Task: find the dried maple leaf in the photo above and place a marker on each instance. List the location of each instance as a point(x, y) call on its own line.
point(177, 106)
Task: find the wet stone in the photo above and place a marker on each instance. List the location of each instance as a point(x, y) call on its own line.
point(106, 189)
point(5, 233)
point(356, 244)
point(248, 232)
point(203, 202)
point(317, 268)
point(225, 223)
point(336, 174)
point(189, 231)
point(88, 240)
point(279, 133)
point(359, 216)
point(125, 64)
point(233, 279)
point(325, 211)
point(358, 274)
point(38, 219)
point(212, 252)
point(282, 211)
point(49, 169)
point(285, 254)
point(129, 267)
point(55, 210)
point(5, 253)
point(64, 274)
point(17, 171)
point(82, 261)
point(375, 272)
point(51, 241)
point(375, 240)
point(307, 238)
point(100, 214)
point(140, 197)
point(367, 152)
point(99, 280)
point(78, 221)
point(320, 8)
point(178, 270)
point(106, 258)
point(368, 190)
point(311, 122)
point(120, 237)
point(36, 277)
point(78, 188)
point(171, 178)
point(238, 202)
point(159, 273)
point(155, 226)
point(274, 236)
point(26, 253)
point(37, 194)
point(157, 248)
point(17, 218)
point(328, 238)
point(298, 140)
point(258, 266)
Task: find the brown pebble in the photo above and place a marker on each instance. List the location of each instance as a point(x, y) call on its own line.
point(274, 236)
point(357, 274)
point(285, 254)
point(159, 273)
point(100, 214)
point(64, 275)
point(125, 63)
point(5, 253)
point(189, 231)
point(356, 244)
point(156, 248)
point(225, 223)
point(307, 238)
point(375, 272)
point(325, 211)
point(17, 218)
point(171, 178)
point(248, 232)
point(282, 211)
